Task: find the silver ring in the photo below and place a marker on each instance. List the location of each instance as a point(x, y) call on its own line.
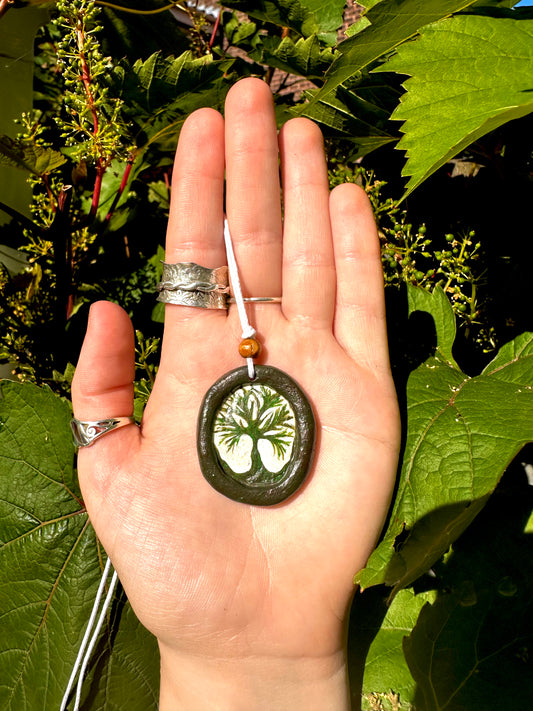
point(85, 432)
point(189, 284)
point(258, 300)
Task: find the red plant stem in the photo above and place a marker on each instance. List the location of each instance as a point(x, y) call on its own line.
point(123, 184)
point(86, 79)
point(215, 28)
point(100, 170)
point(5, 5)
point(49, 192)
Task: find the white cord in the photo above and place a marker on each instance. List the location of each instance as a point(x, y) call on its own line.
point(248, 331)
point(82, 661)
point(94, 638)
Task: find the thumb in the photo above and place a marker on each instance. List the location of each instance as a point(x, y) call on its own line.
point(103, 385)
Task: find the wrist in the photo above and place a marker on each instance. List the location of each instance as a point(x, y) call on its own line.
point(191, 683)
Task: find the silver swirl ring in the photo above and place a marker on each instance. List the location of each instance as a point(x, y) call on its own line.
point(86, 432)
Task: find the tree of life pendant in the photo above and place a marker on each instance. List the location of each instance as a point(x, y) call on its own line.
point(256, 437)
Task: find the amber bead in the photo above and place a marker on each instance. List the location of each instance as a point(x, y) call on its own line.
point(249, 348)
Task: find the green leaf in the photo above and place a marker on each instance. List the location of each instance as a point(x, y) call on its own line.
point(29, 156)
point(17, 39)
point(469, 75)
point(305, 17)
point(386, 672)
point(328, 15)
point(305, 57)
point(437, 304)
point(126, 34)
point(162, 91)
point(283, 13)
point(13, 260)
point(358, 115)
point(468, 649)
point(51, 565)
point(391, 23)
point(462, 432)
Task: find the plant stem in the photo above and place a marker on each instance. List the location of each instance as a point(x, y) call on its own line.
point(60, 234)
point(214, 32)
point(125, 177)
point(100, 170)
point(121, 8)
point(86, 79)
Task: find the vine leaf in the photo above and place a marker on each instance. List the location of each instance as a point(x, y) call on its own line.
point(386, 672)
point(469, 75)
point(160, 92)
point(328, 16)
point(51, 564)
point(306, 17)
point(305, 57)
point(29, 156)
point(468, 647)
point(360, 114)
point(462, 432)
point(13, 260)
point(387, 24)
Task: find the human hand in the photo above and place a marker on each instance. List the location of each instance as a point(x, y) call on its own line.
point(248, 603)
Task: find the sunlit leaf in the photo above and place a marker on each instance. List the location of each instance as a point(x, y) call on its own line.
point(469, 75)
point(389, 23)
point(462, 432)
point(386, 672)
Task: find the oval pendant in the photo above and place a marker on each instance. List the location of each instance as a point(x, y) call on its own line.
point(256, 437)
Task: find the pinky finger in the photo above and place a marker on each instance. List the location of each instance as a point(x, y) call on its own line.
point(360, 325)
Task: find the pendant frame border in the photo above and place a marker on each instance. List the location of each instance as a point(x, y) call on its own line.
point(303, 446)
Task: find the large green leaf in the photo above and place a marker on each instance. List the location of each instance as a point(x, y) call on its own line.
point(469, 75)
point(386, 673)
point(469, 648)
point(51, 564)
point(462, 432)
point(388, 24)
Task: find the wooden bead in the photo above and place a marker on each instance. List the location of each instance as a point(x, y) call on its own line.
point(249, 348)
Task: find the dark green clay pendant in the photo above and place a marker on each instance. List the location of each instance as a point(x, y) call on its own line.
point(256, 437)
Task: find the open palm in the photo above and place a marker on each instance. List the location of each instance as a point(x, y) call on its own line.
point(207, 575)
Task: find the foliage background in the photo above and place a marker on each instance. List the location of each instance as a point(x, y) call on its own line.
point(444, 619)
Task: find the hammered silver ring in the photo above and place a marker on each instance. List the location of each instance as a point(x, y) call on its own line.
point(189, 284)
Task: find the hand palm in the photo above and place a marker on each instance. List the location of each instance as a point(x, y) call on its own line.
point(206, 573)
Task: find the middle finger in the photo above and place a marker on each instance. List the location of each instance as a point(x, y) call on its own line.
point(253, 190)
